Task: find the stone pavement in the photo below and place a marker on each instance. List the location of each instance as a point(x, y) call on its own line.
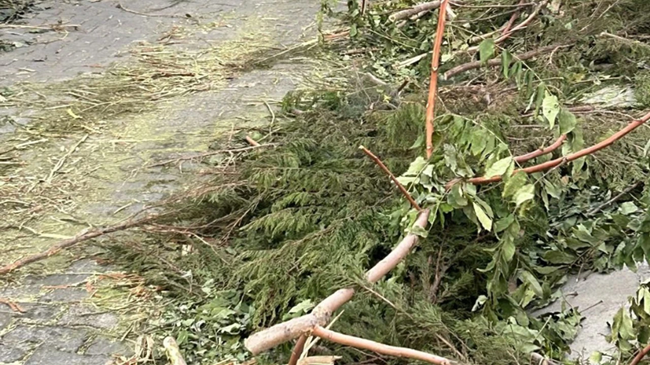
point(49, 317)
point(50, 323)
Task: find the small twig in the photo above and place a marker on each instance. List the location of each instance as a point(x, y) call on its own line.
point(12, 305)
point(211, 153)
point(61, 161)
point(83, 236)
point(433, 85)
point(640, 355)
point(42, 27)
point(120, 6)
point(297, 350)
point(614, 199)
point(401, 188)
point(496, 62)
point(272, 116)
point(377, 347)
point(252, 142)
point(513, 18)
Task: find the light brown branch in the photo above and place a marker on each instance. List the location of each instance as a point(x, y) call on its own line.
point(415, 10)
point(433, 84)
point(558, 161)
point(322, 313)
point(377, 347)
point(637, 359)
point(252, 142)
point(84, 236)
point(392, 177)
point(297, 350)
point(541, 151)
point(496, 61)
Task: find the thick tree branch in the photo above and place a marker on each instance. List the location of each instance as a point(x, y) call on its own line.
point(541, 151)
point(377, 347)
point(392, 177)
point(322, 313)
point(433, 84)
point(558, 161)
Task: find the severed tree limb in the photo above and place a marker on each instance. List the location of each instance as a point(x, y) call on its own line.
point(283, 332)
point(497, 61)
point(377, 347)
point(252, 142)
point(392, 177)
point(541, 151)
point(83, 236)
point(433, 84)
point(297, 350)
point(558, 161)
point(415, 10)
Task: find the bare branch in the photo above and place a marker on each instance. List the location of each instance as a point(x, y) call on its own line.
point(377, 347)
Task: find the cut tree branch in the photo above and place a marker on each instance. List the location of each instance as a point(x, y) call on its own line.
point(637, 359)
point(497, 61)
point(541, 151)
point(377, 347)
point(283, 332)
point(84, 236)
point(392, 177)
point(558, 161)
point(433, 84)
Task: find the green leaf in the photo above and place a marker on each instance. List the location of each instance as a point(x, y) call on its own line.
point(539, 97)
point(486, 50)
point(529, 278)
point(506, 58)
point(500, 167)
point(524, 194)
point(479, 302)
point(550, 108)
point(302, 307)
point(419, 142)
point(596, 357)
point(416, 166)
point(503, 223)
point(418, 231)
point(508, 250)
point(567, 121)
point(514, 183)
point(628, 208)
point(559, 257)
point(486, 221)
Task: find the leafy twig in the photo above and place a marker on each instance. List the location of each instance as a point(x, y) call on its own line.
point(401, 188)
point(574, 156)
point(377, 347)
point(433, 85)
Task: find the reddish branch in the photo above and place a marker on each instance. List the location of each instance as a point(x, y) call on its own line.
point(496, 61)
point(640, 355)
point(322, 313)
point(558, 161)
point(377, 347)
point(541, 151)
point(252, 142)
point(507, 34)
point(433, 85)
point(74, 240)
point(392, 177)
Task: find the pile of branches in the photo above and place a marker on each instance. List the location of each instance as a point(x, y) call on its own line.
point(513, 172)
